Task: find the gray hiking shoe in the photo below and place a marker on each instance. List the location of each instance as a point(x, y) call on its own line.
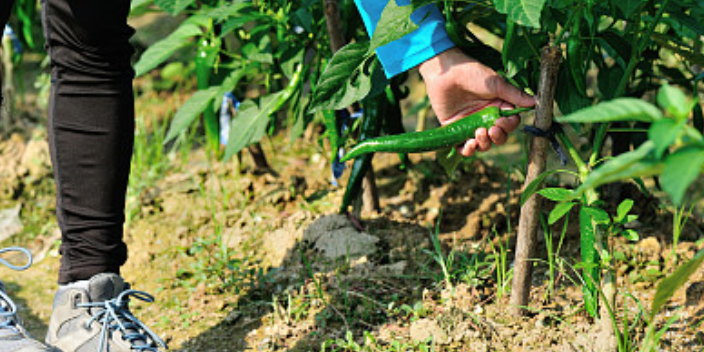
point(13, 337)
point(93, 316)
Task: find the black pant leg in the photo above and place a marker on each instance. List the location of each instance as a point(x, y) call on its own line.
point(91, 130)
point(5, 10)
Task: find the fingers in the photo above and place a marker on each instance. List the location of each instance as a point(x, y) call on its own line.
point(497, 135)
point(508, 124)
point(469, 148)
point(509, 93)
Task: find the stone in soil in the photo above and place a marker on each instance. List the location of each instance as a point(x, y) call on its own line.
point(336, 237)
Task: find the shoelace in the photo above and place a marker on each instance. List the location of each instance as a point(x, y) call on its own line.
point(9, 310)
point(116, 315)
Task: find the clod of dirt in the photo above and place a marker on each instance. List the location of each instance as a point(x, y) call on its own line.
point(423, 329)
point(335, 236)
point(695, 294)
point(10, 223)
point(326, 224)
point(649, 249)
point(279, 244)
point(346, 242)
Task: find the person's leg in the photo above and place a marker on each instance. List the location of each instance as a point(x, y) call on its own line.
point(91, 130)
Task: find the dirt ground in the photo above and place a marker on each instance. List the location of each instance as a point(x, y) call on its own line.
point(240, 261)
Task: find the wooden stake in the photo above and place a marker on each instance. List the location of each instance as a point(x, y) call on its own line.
point(530, 211)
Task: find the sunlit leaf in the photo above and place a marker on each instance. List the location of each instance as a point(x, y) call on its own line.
point(674, 101)
point(164, 49)
point(681, 169)
point(190, 110)
point(249, 126)
point(669, 285)
point(638, 163)
point(623, 109)
point(525, 12)
point(557, 194)
point(395, 23)
point(663, 133)
point(560, 211)
point(537, 182)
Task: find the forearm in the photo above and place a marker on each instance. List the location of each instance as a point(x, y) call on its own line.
point(429, 40)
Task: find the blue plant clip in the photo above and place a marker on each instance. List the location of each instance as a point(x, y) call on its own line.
point(16, 43)
point(229, 105)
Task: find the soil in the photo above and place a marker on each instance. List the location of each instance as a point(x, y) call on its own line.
point(294, 274)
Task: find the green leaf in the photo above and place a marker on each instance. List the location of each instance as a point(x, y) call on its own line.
point(174, 6)
point(628, 7)
point(349, 77)
point(334, 81)
point(623, 209)
point(623, 109)
point(557, 194)
point(190, 110)
point(164, 49)
point(535, 185)
point(589, 261)
point(598, 215)
point(525, 12)
point(449, 158)
point(395, 23)
point(663, 133)
point(681, 169)
point(249, 126)
point(560, 211)
point(674, 101)
point(631, 235)
point(139, 3)
point(638, 163)
point(669, 285)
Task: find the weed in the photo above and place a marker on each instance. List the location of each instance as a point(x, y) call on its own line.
point(501, 267)
point(678, 223)
point(370, 344)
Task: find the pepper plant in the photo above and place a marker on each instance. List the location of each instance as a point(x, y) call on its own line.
point(623, 50)
point(272, 46)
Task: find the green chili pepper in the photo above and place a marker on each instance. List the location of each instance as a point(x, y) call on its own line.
point(438, 138)
point(206, 57)
point(370, 129)
point(393, 123)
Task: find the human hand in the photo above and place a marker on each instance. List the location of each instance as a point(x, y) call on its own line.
point(458, 85)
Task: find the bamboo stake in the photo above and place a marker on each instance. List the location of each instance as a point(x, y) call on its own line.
point(530, 211)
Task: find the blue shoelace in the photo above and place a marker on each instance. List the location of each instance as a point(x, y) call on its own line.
point(115, 315)
point(8, 312)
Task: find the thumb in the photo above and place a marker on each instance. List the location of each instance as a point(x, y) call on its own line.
point(509, 93)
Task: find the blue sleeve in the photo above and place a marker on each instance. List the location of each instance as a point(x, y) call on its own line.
point(410, 51)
